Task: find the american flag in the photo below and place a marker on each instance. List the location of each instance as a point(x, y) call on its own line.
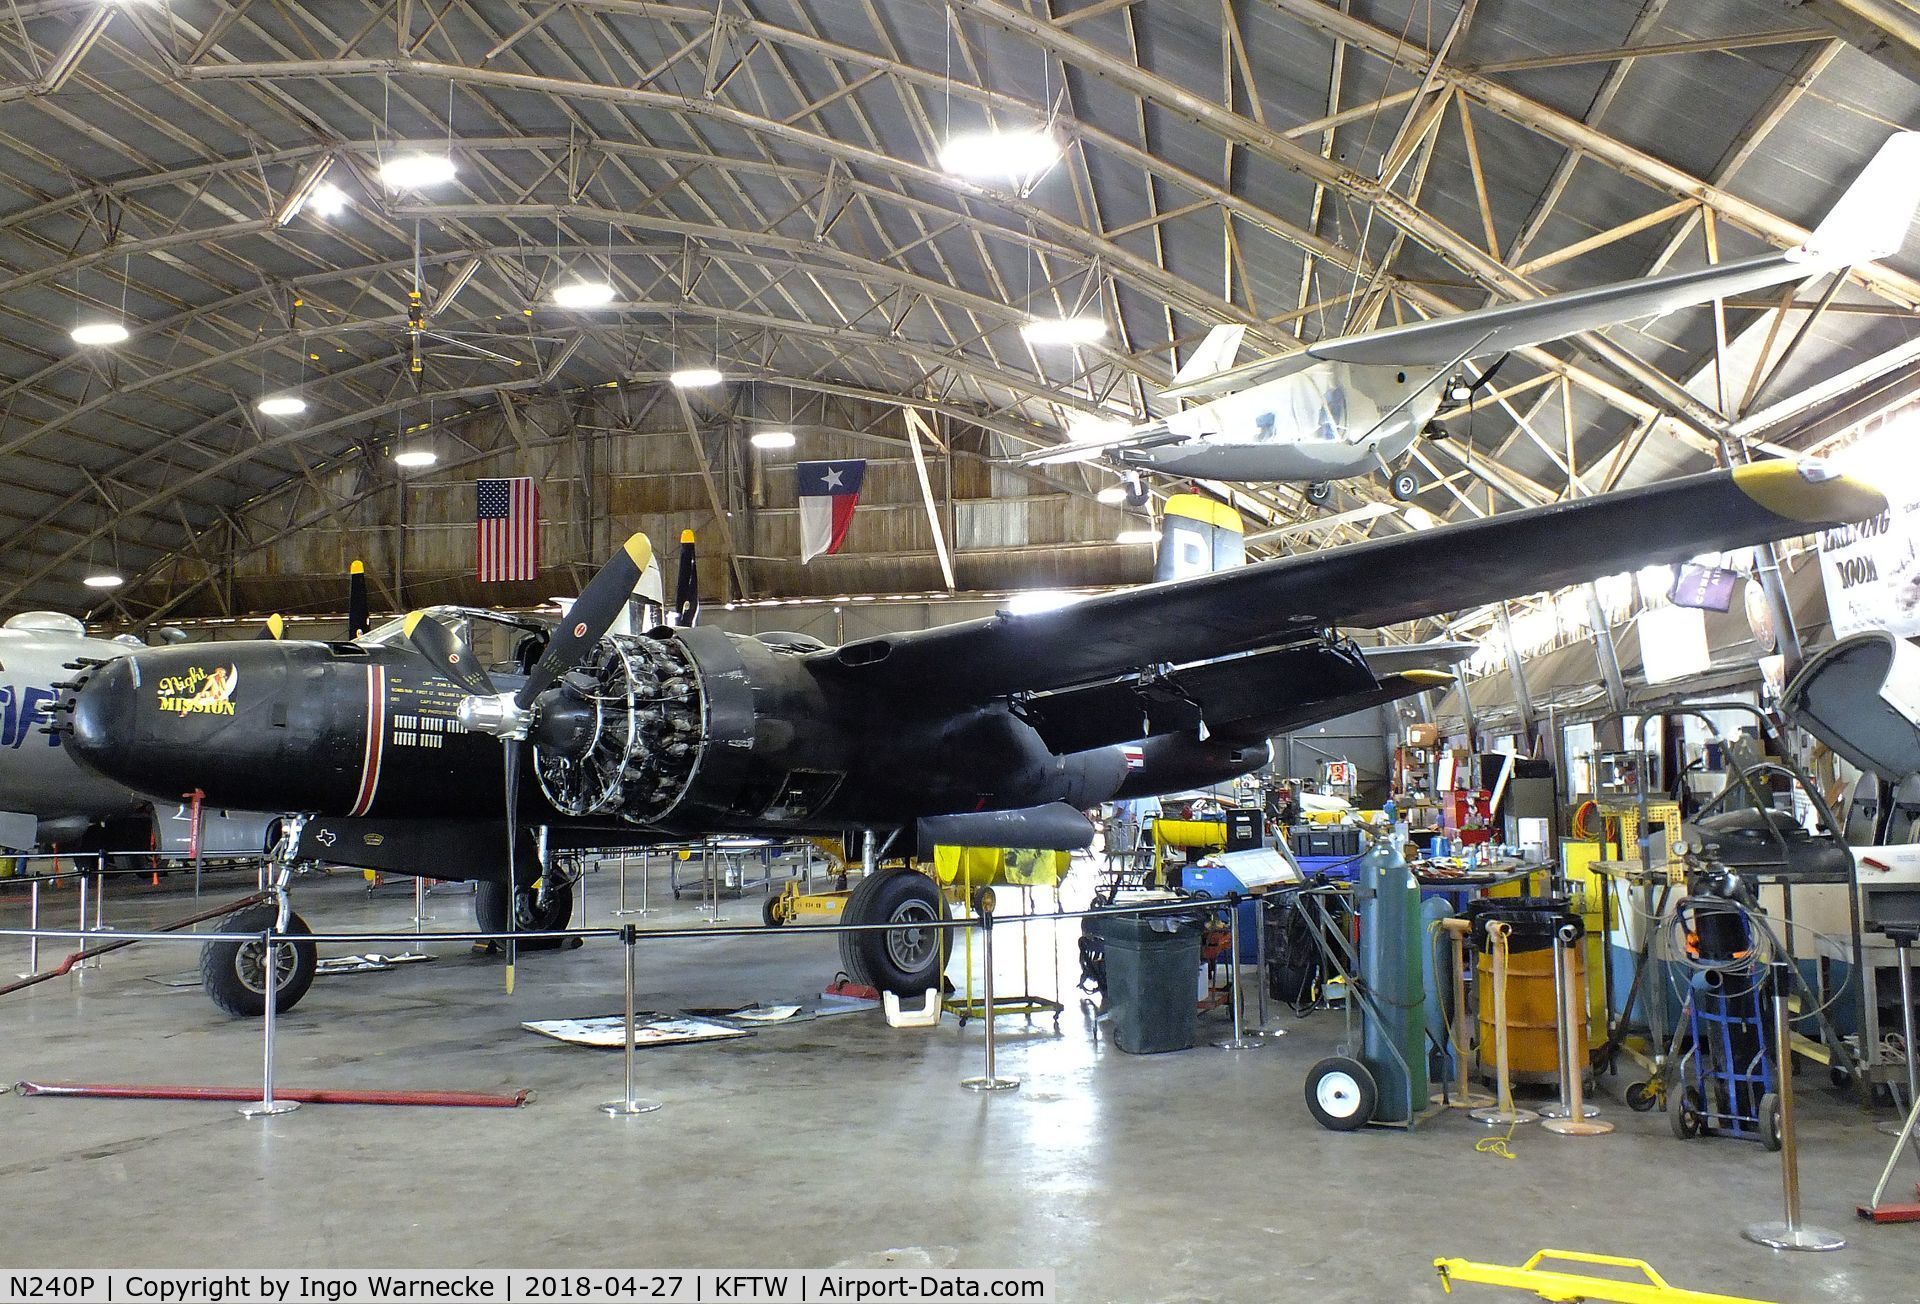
point(507, 513)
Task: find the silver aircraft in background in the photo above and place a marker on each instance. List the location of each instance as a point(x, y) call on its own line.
point(1355, 406)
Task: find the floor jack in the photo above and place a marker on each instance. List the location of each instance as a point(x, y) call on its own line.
point(1874, 1210)
point(1560, 1284)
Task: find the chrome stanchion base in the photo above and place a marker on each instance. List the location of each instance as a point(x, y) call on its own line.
point(629, 914)
point(268, 1108)
point(1497, 1117)
point(990, 1084)
point(1561, 1111)
point(629, 1108)
point(1779, 1236)
point(1576, 1127)
point(1242, 1042)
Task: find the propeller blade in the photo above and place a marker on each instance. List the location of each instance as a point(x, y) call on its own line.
point(686, 587)
point(591, 615)
point(276, 626)
point(510, 751)
point(449, 655)
point(358, 619)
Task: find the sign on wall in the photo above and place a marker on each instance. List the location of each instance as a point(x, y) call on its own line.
point(1871, 569)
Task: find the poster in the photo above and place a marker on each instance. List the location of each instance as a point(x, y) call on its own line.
point(1871, 570)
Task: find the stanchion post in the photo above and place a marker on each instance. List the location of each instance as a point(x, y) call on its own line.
point(1239, 1040)
point(267, 1106)
point(1903, 956)
point(1465, 1097)
point(33, 924)
point(420, 915)
point(100, 892)
point(1790, 1234)
point(1505, 1112)
point(1577, 1116)
point(988, 1081)
point(80, 876)
point(627, 1106)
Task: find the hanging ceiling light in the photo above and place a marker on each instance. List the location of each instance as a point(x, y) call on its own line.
point(327, 200)
point(1137, 536)
point(415, 457)
point(695, 377)
point(1113, 495)
point(1000, 155)
point(281, 405)
point(99, 333)
point(103, 580)
point(1073, 331)
point(416, 171)
point(773, 439)
point(583, 294)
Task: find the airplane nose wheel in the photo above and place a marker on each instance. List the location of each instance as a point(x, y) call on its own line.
point(234, 974)
point(1403, 486)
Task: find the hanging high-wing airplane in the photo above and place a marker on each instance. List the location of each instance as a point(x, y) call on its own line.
point(1355, 406)
point(991, 732)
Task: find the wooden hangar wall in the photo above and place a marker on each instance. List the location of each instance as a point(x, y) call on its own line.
point(612, 460)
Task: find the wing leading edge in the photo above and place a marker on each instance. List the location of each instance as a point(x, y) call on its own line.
point(1380, 582)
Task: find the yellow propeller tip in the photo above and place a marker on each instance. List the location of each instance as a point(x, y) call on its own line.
point(686, 536)
point(413, 619)
point(358, 567)
point(276, 624)
point(639, 549)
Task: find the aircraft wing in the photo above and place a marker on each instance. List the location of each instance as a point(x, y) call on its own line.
point(1290, 600)
point(1870, 221)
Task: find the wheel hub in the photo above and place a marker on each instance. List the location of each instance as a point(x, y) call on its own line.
point(250, 967)
point(911, 948)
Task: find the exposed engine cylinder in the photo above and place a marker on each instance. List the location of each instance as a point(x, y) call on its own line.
point(647, 713)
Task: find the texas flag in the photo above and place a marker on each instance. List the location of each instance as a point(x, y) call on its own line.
point(828, 494)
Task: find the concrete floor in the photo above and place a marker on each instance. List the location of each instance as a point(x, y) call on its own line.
point(1193, 1176)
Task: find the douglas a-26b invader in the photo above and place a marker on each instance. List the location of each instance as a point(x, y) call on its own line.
point(991, 732)
point(1355, 406)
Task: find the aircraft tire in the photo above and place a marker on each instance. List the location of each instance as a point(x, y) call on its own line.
point(1319, 493)
point(234, 973)
point(905, 962)
point(490, 912)
point(1403, 486)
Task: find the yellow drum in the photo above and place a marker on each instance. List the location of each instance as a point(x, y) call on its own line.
point(1533, 1016)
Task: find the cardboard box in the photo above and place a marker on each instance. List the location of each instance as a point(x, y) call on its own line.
point(1424, 734)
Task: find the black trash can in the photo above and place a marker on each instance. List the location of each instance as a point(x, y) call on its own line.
point(1152, 980)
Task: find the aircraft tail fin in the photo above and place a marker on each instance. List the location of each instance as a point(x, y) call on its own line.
point(1871, 219)
point(1217, 353)
point(1198, 535)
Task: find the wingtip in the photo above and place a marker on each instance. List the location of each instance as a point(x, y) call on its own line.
point(1809, 493)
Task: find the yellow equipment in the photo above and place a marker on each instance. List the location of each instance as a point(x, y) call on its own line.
point(1189, 836)
point(1571, 1287)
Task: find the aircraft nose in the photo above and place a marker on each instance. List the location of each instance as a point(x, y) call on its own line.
point(104, 718)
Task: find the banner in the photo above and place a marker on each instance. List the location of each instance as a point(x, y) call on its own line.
point(1871, 569)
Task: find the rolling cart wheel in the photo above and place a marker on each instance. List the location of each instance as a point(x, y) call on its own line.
point(1340, 1094)
point(1683, 1112)
point(1770, 1121)
point(1642, 1097)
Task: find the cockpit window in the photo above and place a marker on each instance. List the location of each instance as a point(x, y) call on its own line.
point(460, 620)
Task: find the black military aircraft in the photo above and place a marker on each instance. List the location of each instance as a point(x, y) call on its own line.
point(990, 732)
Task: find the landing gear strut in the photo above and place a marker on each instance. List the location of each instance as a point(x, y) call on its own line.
point(234, 974)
